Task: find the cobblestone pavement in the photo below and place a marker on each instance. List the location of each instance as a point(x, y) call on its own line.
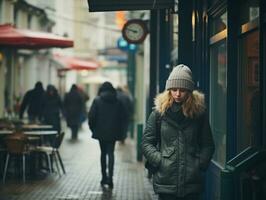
point(82, 179)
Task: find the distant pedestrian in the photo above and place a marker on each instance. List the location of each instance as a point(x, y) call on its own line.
point(177, 141)
point(32, 102)
point(73, 107)
point(127, 101)
point(85, 98)
point(52, 107)
point(106, 121)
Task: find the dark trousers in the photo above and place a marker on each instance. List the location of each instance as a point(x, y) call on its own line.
point(74, 131)
point(107, 150)
point(173, 197)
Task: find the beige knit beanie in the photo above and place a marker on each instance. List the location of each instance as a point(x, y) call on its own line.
point(180, 77)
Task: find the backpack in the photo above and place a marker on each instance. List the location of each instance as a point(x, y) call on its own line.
point(151, 169)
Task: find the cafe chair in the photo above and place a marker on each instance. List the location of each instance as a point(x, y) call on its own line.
point(57, 145)
point(53, 152)
point(16, 145)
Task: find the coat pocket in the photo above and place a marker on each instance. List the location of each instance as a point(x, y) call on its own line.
point(167, 167)
point(168, 152)
point(168, 160)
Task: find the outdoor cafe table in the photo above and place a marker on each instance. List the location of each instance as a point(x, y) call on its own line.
point(36, 127)
point(28, 129)
point(41, 136)
point(31, 133)
point(5, 132)
point(40, 132)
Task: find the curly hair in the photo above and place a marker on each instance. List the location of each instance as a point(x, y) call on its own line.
point(192, 106)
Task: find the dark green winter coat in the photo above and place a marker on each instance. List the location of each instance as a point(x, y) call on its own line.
point(186, 148)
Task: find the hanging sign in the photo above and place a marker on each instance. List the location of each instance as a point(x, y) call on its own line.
point(115, 5)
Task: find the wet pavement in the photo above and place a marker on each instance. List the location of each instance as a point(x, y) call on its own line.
point(82, 179)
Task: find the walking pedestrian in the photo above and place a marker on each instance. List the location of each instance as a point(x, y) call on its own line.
point(73, 107)
point(106, 121)
point(85, 98)
point(32, 102)
point(177, 140)
point(52, 107)
point(126, 99)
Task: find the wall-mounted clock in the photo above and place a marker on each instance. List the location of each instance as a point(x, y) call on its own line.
point(135, 31)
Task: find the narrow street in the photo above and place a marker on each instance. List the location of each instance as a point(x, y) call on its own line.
point(83, 175)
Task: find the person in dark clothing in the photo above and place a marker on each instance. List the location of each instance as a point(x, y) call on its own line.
point(182, 152)
point(52, 106)
point(85, 98)
point(106, 121)
point(127, 101)
point(32, 101)
point(73, 107)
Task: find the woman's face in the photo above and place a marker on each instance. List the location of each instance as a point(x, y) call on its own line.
point(179, 94)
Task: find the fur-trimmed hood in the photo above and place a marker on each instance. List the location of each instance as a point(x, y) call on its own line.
point(192, 107)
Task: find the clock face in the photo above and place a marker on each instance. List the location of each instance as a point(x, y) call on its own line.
point(134, 31)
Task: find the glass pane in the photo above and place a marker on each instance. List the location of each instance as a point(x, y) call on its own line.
point(249, 94)
point(174, 53)
point(175, 31)
point(218, 90)
point(249, 11)
point(210, 2)
point(218, 24)
point(1, 17)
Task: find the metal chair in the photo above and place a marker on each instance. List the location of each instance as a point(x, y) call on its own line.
point(16, 144)
point(53, 152)
point(57, 145)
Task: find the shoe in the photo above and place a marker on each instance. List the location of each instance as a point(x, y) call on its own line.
point(104, 181)
point(110, 183)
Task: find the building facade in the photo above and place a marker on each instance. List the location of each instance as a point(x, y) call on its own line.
point(20, 69)
point(224, 43)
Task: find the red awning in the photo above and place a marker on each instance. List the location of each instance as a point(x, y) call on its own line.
point(72, 63)
point(28, 39)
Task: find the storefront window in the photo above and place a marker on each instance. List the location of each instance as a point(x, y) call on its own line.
point(249, 11)
point(1, 14)
point(175, 31)
point(218, 24)
point(210, 2)
point(249, 93)
point(218, 90)
point(174, 53)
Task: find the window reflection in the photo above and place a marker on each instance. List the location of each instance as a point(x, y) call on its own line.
point(218, 90)
point(249, 109)
point(218, 24)
point(249, 11)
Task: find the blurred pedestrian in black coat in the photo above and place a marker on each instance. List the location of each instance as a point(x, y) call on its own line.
point(127, 101)
point(52, 106)
point(106, 121)
point(73, 107)
point(32, 101)
point(85, 98)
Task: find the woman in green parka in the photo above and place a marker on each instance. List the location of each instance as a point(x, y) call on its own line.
point(182, 148)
